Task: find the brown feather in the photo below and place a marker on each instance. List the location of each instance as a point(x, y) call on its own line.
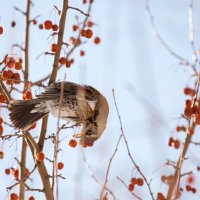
point(21, 115)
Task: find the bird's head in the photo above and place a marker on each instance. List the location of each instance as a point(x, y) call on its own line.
point(92, 130)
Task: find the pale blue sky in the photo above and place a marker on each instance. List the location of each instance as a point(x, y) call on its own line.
point(128, 57)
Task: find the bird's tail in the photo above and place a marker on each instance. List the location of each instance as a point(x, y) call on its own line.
point(22, 113)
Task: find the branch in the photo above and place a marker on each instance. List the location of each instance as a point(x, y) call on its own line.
point(123, 183)
point(41, 167)
point(128, 150)
point(26, 71)
point(5, 91)
point(164, 44)
point(77, 9)
point(174, 186)
point(54, 67)
point(18, 9)
point(191, 33)
point(70, 51)
point(56, 142)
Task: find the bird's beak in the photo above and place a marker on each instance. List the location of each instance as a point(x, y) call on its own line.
point(77, 135)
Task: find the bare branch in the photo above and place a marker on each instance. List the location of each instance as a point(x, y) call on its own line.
point(18, 9)
point(128, 150)
point(124, 184)
point(109, 165)
point(164, 44)
point(77, 9)
point(94, 177)
point(71, 50)
point(191, 32)
point(19, 46)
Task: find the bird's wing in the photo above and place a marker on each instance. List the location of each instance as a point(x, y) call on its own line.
point(71, 91)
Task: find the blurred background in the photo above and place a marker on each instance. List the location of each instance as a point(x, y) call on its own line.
point(148, 83)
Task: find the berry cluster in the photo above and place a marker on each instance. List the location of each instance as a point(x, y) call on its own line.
point(9, 74)
point(135, 181)
point(174, 143)
point(160, 196)
point(192, 107)
point(48, 25)
point(189, 188)
point(15, 172)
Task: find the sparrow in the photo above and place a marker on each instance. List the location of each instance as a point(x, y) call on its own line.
point(82, 105)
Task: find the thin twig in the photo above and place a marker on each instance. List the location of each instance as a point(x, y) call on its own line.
point(79, 10)
point(70, 51)
point(54, 67)
point(128, 150)
point(18, 9)
point(19, 46)
point(191, 32)
point(132, 193)
point(26, 73)
point(109, 165)
point(164, 44)
point(40, 166)
point(56, 141)
point(94, 177)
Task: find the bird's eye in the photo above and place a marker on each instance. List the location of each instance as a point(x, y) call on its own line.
point(89, 133)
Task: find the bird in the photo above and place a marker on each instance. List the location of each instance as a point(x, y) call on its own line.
point(81, 105)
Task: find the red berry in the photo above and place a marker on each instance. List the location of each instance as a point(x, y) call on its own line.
point(40, 26)
point(83, 33)
point(55, 27)
point(54, 48)
point(47, 24)
point(27, 95)
point(188, 188)
point(97, 40)
point(131, 187)
point(34, 21)
point(1, 129)
point(1, 30)
point(60, 165)
point(2, 98)
point(7, 171)
point(176, 144)
point(16, 77)
point(13, 24)
point(190, 179)
point(72, 143)
point(89, 23)
point(140, 182)
point(18, 65)
point(74, 28)
point(1, 154)
point(13, 196)
point(68, 63)
point(133, 181)
point(89, 33)
point(82, 53)
point(189, 91)
point(9, 74)
point(197, 119)
point(1, 120)
point(62, 60)
point(39, 156)
point(160, 196)
point(193, 190)
point(31, 198)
